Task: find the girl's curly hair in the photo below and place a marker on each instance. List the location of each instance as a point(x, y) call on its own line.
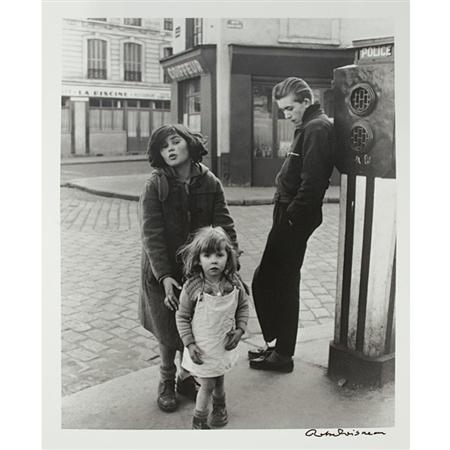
point(207, 240)
point(196, 143)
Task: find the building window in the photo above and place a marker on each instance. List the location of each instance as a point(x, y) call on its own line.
point(106, 114)
point(198, 31)
point(96, 59)
point(194, 32)
point(190, 101)
point(167, 51)
point(162, 104)
point(132, 62)
point(66, 125)
point(168, 24)
point(262, 121)
point(133, 22)
point(272, 132)
point(98, 20)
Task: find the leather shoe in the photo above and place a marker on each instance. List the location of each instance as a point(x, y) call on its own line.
point(200, 423)
point(167, 400)
point(275, 366)
point(260, 352)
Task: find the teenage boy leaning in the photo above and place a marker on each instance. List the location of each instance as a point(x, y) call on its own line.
point(300, 188)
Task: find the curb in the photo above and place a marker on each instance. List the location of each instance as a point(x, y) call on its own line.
point(100, 192)
point(230, 202)
point(98, 160)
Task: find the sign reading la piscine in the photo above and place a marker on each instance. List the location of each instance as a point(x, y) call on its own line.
point(74, 90)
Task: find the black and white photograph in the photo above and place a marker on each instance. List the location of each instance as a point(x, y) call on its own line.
point(228, 242)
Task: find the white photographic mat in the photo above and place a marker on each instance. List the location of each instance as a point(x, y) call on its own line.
point(127, 406)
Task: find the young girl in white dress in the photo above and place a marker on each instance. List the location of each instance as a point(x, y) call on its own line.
point(211, 319)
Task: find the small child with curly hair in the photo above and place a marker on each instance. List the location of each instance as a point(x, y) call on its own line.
point(211, 319)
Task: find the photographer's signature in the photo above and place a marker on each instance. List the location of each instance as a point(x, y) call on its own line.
point(313, 432)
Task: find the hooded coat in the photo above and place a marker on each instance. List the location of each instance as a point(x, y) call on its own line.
point(169, 212)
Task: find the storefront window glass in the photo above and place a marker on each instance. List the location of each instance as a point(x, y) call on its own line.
point(191, 106)
point(262, 121)
point(105, 114)
point(272, 133)
point(65, 115)
point(285, 131)
point(162, 104)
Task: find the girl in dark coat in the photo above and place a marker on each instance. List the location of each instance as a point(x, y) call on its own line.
point(180, 196)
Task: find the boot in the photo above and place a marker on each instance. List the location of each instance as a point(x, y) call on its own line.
point(167, 400)
point(199, 421)
point(219, 415)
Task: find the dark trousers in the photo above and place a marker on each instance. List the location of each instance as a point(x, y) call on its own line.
point(276, 281)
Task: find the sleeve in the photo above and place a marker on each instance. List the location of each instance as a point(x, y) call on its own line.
point(315, 173)
point(183, 317)
point(222, 216)
point(243, 309)
point(152, 230)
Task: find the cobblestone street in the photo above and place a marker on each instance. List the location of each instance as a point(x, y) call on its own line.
point(101, 335)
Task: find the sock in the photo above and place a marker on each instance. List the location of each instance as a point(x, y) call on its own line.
point(202, 415)
point(219, 400)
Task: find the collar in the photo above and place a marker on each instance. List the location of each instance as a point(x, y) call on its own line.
point(311, 112)
point(197, 170)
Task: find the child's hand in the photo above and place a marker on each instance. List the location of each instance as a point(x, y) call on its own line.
point(234, 336)
point(195, 353)
point(171, 300)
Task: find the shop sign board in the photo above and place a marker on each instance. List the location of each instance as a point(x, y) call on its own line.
point(188, 69)
point(374, 53)
point(234, 23)
point(74, 90)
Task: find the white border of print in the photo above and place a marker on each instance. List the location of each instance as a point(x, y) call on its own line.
point(53, 435)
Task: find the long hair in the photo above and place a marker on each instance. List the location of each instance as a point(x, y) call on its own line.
point(296, 86)
point(196, 143)
point(207, 240)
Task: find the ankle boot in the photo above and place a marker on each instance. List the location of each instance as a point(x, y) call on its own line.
point(200, 421)
point(167, 400)
point(219, 415)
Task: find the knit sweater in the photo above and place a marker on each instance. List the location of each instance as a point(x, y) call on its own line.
point(192, 292)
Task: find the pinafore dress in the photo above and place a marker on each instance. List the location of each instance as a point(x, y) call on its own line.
point(214, 317)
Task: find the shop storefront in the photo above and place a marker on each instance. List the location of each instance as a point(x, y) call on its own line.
point(97, 120)
point(193, 92)
point(259, 136)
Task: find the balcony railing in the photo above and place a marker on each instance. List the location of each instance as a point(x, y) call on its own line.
point(97, 74)
point(133, 75)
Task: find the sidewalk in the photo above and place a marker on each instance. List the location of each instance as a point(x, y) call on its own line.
point(129, 187)
point(303, 399)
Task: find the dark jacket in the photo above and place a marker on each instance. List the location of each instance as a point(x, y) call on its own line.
point(169, 212)
point(305, 174)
